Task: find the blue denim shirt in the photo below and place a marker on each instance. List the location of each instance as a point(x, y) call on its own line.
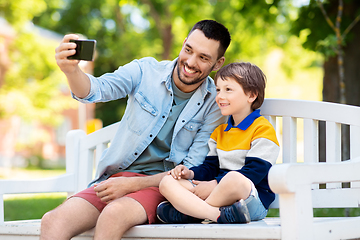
point(147, 83)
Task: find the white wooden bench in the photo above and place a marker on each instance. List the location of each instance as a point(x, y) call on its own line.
point(295, 180)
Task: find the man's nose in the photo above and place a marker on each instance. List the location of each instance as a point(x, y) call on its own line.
point(191, 61)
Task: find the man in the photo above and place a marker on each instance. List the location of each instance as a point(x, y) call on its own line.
point(170, 114)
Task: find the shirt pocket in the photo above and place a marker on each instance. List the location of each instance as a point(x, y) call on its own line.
point(187, 133)
point(142, 113)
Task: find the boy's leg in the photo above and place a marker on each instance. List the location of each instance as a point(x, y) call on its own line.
point(232, 187)
point(73, 217)
point(177, 192)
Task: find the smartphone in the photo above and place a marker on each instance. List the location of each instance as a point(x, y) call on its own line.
point(84, 50)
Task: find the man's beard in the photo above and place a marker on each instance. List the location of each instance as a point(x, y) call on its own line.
point(194, 81)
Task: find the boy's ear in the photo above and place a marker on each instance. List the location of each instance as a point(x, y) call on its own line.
point(219, 63)
point(252, 97)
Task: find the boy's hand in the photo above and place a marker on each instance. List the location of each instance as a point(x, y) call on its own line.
point(180, 171)
point(203, 188)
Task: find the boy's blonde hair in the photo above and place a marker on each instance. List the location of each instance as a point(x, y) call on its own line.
point(249, 76)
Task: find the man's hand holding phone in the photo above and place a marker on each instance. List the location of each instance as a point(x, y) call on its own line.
point(78, 81)
point(63, 51)
point(71, 48)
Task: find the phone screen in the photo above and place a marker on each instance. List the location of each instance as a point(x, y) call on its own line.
point(84, 50)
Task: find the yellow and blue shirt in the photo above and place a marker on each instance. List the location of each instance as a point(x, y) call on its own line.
point(249, 148)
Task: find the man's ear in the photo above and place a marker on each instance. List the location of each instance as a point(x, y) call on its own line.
point(219, 63)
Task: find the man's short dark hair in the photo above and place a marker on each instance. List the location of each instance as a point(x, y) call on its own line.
point(216, 31)
point(249, 76)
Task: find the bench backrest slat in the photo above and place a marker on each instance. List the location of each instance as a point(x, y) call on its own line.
point(289, 139)
point(355, 148)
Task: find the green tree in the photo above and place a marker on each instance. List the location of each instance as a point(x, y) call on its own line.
point(322, 37)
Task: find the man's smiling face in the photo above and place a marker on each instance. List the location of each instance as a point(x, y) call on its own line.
point(197, 58)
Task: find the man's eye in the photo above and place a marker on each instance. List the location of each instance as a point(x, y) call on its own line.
point(204, 58)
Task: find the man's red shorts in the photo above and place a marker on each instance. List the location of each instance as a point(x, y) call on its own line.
point(149, 198)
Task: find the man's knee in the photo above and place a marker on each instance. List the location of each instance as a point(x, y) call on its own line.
point(49, 219)
point(48, 225)
point(74, 216)
point(46, 219)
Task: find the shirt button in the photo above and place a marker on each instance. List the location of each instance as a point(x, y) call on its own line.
point(183, 121)
point(198, 104)
point(151, 135)
point(136, 153)
point(163, 116)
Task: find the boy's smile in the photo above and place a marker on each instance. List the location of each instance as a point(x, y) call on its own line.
point(232, 100)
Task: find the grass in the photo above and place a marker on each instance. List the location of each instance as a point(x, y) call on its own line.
point(30, 206)
point(325, 212)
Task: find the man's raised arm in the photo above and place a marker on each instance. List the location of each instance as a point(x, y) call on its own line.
point(78, 81)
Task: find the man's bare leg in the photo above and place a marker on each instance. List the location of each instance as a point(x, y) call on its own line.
point(74, 216)
point(118, 217)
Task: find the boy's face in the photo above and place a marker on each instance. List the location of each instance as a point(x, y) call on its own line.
point(232, 100)
point(197, 58)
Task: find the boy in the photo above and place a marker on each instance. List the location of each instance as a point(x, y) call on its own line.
point(231, 185)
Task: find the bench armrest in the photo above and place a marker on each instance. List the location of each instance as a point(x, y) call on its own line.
point(293, 184)
point(284, 178)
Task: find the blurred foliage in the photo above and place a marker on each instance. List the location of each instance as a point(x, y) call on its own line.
point(20, 12)
point(33, 81)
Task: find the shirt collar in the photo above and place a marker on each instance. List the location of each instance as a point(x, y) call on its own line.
point(244, 123)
